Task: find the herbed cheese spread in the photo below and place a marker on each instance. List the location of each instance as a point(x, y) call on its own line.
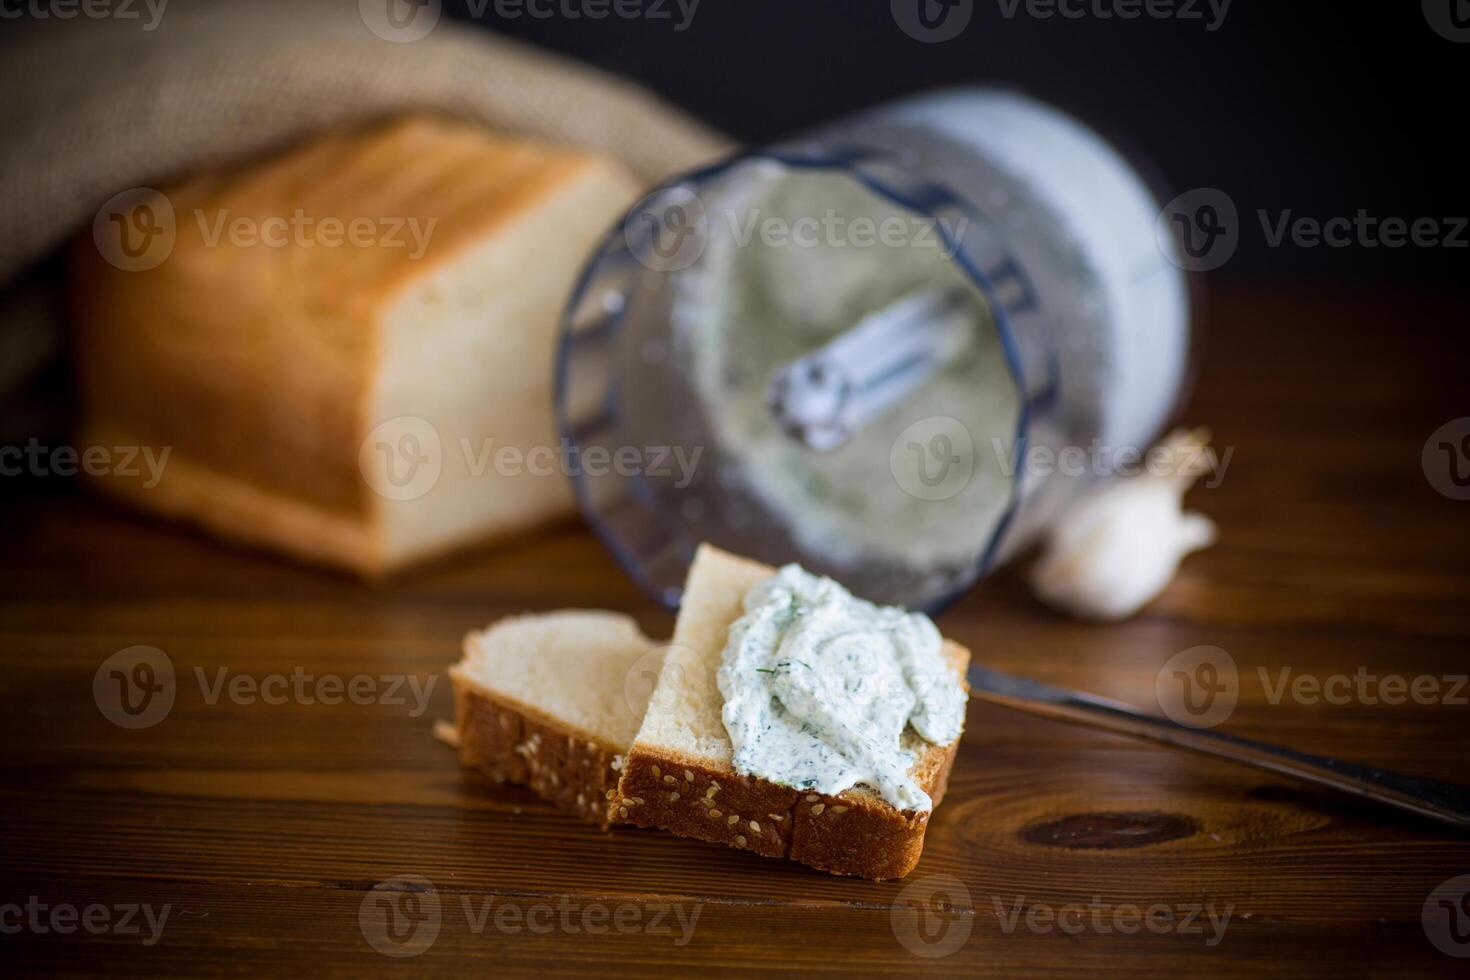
point(819, 686)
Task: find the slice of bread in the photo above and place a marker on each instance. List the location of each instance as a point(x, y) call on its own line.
point(553, 701)
point(346, 352)
point(679, 767)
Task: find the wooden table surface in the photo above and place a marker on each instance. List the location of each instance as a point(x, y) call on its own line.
point(255, 833)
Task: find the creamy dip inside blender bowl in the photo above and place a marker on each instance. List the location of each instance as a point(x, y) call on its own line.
point(789, 265)
point(675, 341)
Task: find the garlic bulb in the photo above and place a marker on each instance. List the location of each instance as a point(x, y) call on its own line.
point(1117, 548)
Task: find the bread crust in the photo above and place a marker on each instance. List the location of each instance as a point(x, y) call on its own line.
point(855, 832)
point(509, 741)
point(241, 512)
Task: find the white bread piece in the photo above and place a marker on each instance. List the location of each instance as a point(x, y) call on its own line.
point(680, 762)
point(266, 369)
point(553, 701)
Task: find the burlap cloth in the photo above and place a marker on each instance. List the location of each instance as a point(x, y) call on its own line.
point(98, 105)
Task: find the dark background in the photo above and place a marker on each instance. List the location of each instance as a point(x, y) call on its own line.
point(1322, 108)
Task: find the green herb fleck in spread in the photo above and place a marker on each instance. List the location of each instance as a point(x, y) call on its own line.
point(819, 687)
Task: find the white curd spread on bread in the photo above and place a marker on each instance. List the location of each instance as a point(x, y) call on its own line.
point(820, 687)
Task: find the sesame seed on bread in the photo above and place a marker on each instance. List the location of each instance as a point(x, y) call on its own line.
point(552, 702)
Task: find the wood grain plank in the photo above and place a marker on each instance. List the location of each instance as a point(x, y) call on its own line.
point(267, 826)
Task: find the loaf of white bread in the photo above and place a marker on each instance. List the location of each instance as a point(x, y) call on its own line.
point(546, 701)
point(336, 386)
